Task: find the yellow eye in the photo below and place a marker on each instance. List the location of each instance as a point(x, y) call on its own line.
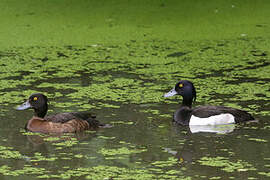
point(181, 85)
point(181, 159)
point(35, 98)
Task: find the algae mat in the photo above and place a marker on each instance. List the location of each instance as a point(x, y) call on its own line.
point(80, 22)
point(123, 84)
point(118, 59)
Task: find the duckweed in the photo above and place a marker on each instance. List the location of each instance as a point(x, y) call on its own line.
point(258, 140)
point(66, 143)
point(8, 171)
point(122, 122)
point(170, 162)
point(216, 177)
point(104, 137)
point(225, 164)
point(51, 139)
point(8, 152)
point(120, 151)
point(38, 157)
point(265, 174)
point(133, 85)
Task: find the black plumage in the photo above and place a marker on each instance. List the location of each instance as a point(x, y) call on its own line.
point(183, 115)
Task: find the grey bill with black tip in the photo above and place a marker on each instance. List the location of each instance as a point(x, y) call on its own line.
point(170, 93)
point(24, 106)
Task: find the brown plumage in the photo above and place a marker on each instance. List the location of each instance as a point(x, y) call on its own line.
point(58, 123)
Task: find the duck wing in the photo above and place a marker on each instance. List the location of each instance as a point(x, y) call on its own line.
point(37, 124)
point(207, 111)
point(65, 117)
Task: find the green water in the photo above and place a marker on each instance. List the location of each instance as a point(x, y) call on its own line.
point(117, 59)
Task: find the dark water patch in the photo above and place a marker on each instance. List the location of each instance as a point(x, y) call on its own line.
point(143, 66)
point(252, 65)
point(256, 53)
point(216, 73)
point(169, 63)
point(177, 54)
point(261, 25)
point(205, 48)
point(103, 62)
point(69, 47)
point(260, 108)
point(7, 54)
point(74, 48)
point(248, 80)
point(263, 63)
point(44, 59)
point(60, 54)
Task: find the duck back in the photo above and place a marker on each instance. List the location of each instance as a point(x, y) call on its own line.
point(65, 117)
point(208, 111)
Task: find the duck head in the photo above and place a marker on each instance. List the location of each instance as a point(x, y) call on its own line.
point(186, 89)
point(38, 102)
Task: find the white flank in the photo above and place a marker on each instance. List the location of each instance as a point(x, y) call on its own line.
point(212, 120)
point(219, 129)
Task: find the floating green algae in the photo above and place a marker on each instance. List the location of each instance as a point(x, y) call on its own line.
point(170, 162)
point(104, 22)
point(51, 139)
point(265, 174)
point(29, 133)
point(104, 137)
point(216, 177)
point(8, 171)
point(9, 153)
point(101, 172)
point(145, 77)
point(122, 122)
point(120, 151)
point(66, 143)
point(95, 172)
point(152, 111)
point(258, 140)
point(225, 164)
point(38, 157)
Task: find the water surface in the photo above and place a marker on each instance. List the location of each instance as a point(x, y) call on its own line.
point(119, 68)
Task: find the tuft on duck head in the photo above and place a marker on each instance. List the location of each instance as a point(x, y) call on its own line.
point(186, 89)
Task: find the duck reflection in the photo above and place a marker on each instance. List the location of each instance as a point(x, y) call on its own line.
point(38, 140)
point(197, 139)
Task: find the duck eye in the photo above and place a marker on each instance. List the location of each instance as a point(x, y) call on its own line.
point(35, 98)
point(181, 85)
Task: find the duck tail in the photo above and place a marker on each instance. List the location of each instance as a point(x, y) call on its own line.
point(93, 123)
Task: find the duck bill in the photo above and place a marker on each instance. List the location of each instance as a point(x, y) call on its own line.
point(24, 106)
point(170, 93)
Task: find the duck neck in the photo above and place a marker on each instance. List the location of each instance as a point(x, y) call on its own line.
point(41, 112)
point(187, 102)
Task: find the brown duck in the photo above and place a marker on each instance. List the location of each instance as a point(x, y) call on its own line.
point(59, 123)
